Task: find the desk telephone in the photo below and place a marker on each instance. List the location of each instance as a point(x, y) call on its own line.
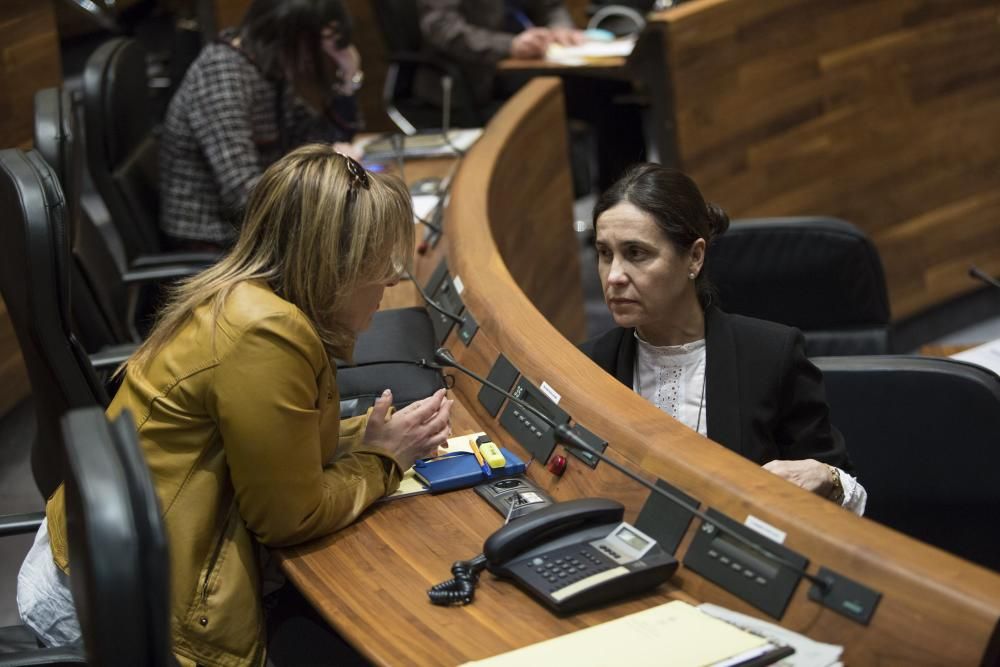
point(569, 555)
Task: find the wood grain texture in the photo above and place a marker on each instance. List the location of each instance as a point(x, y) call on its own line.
point(29, 61)
point(882, 113)
point(370, 579)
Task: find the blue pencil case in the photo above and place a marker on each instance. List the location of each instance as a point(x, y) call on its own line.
point(460, 470)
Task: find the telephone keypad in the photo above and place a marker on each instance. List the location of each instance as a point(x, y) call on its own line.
point(561, 568)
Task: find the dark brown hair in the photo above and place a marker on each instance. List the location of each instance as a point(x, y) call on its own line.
point(674, 201)
point(277, 33)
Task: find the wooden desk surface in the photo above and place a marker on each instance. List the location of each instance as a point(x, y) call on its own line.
point(370, 579)
point(604, 67)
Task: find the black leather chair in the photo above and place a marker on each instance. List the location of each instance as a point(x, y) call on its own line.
point(122, 151)
point(123, 602)
point(118, 549)
point(105, 294)
point(822, 275)
point(35, 279)
point(399, 22)
point(924, 435)
point(395, 337)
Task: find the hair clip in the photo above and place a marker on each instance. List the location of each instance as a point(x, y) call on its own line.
point(357, 172)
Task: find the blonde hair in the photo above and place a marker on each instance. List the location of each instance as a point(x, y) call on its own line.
point(317, 226)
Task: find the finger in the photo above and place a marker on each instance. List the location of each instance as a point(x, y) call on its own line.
point(433, 402)
point(381, 408)
point(439, 424)
point(437, 437)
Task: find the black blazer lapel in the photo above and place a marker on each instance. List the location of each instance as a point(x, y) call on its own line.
point(625, 360)
point(722, 381)
point(614, 351)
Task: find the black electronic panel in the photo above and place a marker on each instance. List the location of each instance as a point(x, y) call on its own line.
point(513, 497)
point(763, 582)
point(435, 280)
point(503, 374)
point(534, 435)
point(442, 290)
point(665, 520)
point(846, 596)
point(468, 329)
point(596, 443)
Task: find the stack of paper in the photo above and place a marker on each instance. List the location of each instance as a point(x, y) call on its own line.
point(674, 634)
point(589, 52)
point(986, 355)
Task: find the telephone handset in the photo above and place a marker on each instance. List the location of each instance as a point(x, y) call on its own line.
point(577, 553)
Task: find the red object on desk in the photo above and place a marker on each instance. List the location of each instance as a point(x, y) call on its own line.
point(557, 466)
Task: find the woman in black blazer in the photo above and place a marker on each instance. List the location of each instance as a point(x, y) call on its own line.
point(743, 382)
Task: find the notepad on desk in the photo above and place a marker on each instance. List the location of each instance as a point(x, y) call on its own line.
point(415, 484)
point(674, 633)
point(588, 52)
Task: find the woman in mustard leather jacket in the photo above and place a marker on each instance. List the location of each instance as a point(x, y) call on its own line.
point(235, 399)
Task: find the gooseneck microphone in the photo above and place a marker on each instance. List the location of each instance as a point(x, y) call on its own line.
point(570, 438)
point(976, 272)
point(422, 363)
point(397, 141)
point(446, 83)
point(458, 319)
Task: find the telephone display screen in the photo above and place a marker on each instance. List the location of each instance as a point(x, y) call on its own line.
point(628, 537)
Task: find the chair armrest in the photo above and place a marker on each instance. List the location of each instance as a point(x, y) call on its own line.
point(160, 274)
point(202, 259)
point(44, 656)
point(112, 356)
point(434, 62)
point(20, 524)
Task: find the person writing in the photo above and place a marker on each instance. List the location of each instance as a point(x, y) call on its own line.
point(235, 399)
point(743, 382)
point(477, 34)
point(286, 76)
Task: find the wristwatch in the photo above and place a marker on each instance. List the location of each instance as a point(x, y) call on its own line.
point(837, 489)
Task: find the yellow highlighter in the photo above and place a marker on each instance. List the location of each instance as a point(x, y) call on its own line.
point(491, 453)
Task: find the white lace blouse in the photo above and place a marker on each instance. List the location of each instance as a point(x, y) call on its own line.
point(672, 378)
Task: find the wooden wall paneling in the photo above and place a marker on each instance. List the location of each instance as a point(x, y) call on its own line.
point(881, 113)
point(29, 61)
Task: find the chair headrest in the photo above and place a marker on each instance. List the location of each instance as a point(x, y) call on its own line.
point(812, 273)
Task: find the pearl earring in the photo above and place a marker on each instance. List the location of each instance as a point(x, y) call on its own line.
point(691, 275)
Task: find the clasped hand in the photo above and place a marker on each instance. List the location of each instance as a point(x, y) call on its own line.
point(415, 432)
point(809, 474)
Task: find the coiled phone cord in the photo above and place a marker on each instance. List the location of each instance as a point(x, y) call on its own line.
point(461, 589)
